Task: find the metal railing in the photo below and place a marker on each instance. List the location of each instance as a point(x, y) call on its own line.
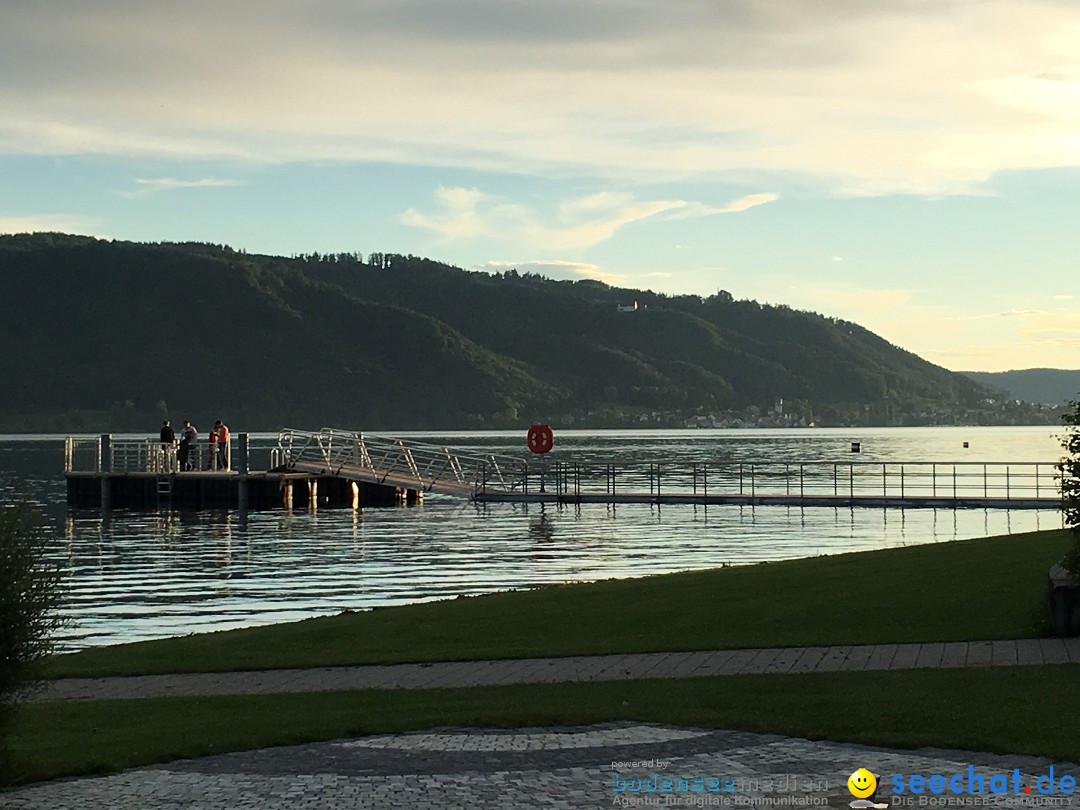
point(434, 468)
point(395, 462)
point(147, 455)
point(82, 455)
point(960, 481)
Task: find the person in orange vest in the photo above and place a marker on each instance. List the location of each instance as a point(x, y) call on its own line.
point(222, 444)
point(212, 464)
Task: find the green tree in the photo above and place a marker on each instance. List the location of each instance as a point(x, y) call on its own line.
point(1070, 484)
point(31, 589)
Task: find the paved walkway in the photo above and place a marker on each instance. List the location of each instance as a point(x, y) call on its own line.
point(608, 765)
point(602, 766)
point(575, 668)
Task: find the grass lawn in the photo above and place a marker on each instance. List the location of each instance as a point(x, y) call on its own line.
point(991, 588)
point(974, 709)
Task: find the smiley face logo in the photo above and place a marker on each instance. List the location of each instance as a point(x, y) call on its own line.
point(862, 783)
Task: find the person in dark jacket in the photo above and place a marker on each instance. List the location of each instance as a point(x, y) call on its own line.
point(188, 437)
point(167, 439)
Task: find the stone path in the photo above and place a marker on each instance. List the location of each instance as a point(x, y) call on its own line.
point(575, 668)
point(611, 765)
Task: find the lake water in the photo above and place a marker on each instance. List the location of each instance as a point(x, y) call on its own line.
point(140, 575)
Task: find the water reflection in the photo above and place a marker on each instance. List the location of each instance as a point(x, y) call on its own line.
point(146, 575)
point(142, 575)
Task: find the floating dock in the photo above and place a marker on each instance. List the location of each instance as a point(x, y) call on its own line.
point(143, 474)
point(335, 468)
point(229, 490)
point(834, 501)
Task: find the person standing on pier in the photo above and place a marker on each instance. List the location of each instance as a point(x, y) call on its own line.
point(223, 444)
point(188, 437)
point(167, 439)
point(212, 463)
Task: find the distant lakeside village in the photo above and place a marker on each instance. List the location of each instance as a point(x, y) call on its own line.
point(783, 413)
point(800, 414)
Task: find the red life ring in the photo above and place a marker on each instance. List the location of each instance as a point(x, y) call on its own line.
point(540, 438)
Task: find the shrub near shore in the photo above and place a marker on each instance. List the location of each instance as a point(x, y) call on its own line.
point(31, 590)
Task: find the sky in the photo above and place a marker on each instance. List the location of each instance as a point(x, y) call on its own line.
point(910, 165)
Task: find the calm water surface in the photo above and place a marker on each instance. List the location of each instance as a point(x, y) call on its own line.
point(138, 575)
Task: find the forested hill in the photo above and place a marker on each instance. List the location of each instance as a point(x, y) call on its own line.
point(1053, 386)
point(113, 335)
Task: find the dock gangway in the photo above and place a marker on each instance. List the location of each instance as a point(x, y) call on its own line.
point(398, 463)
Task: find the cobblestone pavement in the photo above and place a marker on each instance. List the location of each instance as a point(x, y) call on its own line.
point(612, 765)
point(623, 765)
point(575, 668)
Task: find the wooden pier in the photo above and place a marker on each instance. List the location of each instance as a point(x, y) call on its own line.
point(335, 468)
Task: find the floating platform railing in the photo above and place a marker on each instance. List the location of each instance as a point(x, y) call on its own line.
point(128, 456)
point(988, 482)
point(395, 462)
point(82, 455)
point(407, 466)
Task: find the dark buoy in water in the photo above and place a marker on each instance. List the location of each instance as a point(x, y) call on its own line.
point(856, 447)
point(965, 445)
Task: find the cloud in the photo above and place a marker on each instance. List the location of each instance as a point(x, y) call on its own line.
point(1054, 326)
point(747, 202)
point(1019, 313)
point(686, 210)
point(1005, 354)
point(852, 299)
point(866, 98)
point(145, 186)
point(600, 227)
point(994, 341)
point(460, 217)
point(1009, 313)
point(58, 223)
point(581, 222)
point(556, 269)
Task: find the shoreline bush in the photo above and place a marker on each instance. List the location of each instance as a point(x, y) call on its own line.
point(31, 590)
point(1070, 486)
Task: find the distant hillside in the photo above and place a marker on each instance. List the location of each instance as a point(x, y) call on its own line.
point(1053, 386)
point(115, 335)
